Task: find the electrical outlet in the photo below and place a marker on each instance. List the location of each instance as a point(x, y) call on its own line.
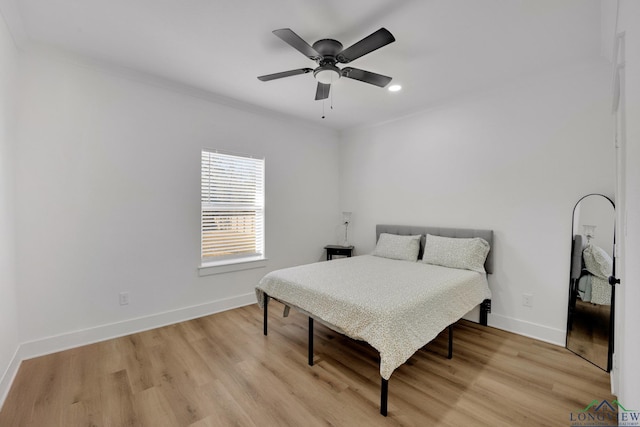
point(527, 300)
point(124, 298)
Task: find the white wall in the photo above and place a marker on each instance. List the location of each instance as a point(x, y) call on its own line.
point(628, 293)
point(514, 160)
point(8, 303)
point(108, 200)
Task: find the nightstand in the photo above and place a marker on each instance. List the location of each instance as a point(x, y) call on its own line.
point(338, 250)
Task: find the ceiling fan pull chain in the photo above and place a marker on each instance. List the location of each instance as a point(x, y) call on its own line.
point(323, 108)
point(331, 94)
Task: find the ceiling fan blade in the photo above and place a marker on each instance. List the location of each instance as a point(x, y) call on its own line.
point(322, 92)
point(295, 41)
point(365, 76)
point(374, 41)
point(289, 73)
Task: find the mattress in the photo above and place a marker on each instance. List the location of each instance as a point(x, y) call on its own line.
point(395, 306)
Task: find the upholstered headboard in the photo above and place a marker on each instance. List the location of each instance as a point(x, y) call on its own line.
point(579, 243)
point(410, 230)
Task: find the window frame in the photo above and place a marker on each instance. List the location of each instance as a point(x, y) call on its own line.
point(239, 261)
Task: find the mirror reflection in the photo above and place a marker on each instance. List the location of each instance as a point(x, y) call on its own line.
point(590, 314)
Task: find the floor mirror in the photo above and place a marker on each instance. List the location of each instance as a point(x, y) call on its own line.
point(591, 283)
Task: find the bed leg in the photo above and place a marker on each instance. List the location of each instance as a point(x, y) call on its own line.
point(310, 341)
point(384, 394)
point(266, 311)
point(485, 309)
point(450, 342)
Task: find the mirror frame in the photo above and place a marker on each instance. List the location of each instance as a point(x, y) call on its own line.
point(613, 288)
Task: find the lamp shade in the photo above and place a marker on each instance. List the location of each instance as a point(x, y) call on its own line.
point(327, 74)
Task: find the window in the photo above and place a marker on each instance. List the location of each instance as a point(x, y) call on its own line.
point(232, 196)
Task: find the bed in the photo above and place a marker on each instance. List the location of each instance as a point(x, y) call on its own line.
point(390, 298)
point(591, 267)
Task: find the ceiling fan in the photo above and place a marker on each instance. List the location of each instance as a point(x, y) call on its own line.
point(327, 53)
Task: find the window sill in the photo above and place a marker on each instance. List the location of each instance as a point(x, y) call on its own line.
point(230, 266)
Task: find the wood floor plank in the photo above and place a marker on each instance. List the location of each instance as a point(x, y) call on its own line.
point(154, 409)
point(220, 370)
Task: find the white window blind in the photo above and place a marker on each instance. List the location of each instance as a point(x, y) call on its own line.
point(232, 195)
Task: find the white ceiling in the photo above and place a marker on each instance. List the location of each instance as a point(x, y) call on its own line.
point(443, 48)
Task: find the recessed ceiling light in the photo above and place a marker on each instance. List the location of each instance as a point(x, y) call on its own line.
point(394, 88)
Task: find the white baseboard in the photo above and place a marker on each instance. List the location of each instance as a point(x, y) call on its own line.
point(9, 375)
point(82, 337)
point(528, 329)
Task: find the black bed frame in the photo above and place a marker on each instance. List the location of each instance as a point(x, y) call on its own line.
point(485, 308)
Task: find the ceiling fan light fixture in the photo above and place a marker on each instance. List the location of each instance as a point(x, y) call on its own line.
point(327, 74)
point(394, 88)
point(327, 53)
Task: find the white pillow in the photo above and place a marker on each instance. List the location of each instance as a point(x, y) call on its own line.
point(395, 246)
point(597, 261)
point(466, 254)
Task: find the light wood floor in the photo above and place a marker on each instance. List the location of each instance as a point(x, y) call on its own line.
point(220, 370)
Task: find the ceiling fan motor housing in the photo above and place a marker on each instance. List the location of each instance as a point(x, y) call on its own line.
point(327, 72)
point(328, 48)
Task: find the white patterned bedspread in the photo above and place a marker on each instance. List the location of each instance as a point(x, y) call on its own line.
point(395, 306)
point(594, 289)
